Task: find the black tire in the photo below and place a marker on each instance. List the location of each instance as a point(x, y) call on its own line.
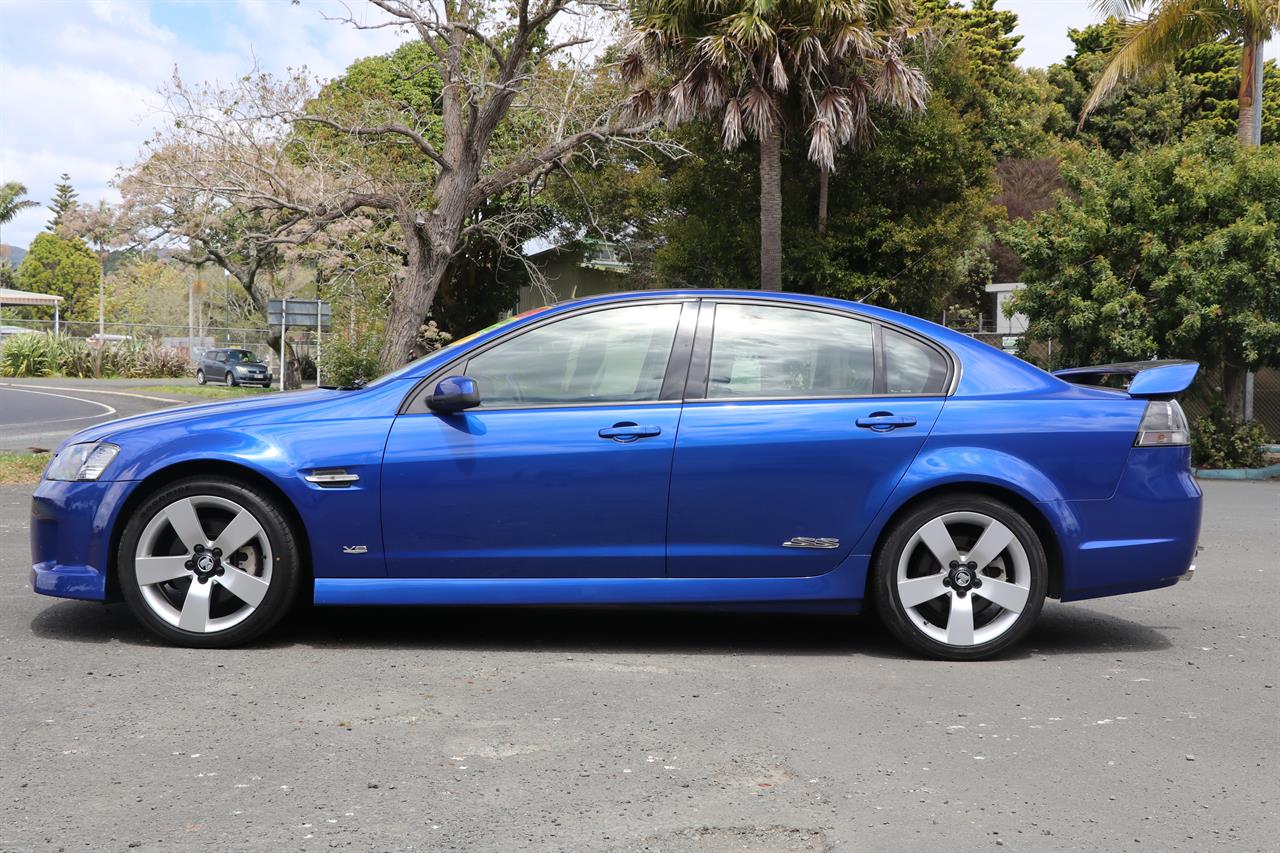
point(229, 378)
point(286, 564)
point(200, 377)
point(902, 622)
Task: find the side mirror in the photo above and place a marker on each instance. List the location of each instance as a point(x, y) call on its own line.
point(453, 394)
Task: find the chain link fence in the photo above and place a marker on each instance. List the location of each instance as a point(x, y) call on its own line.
point(306, 343)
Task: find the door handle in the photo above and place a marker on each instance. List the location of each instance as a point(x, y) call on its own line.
point(885, 421)
point(629, 432)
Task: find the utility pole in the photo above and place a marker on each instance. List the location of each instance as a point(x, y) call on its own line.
point(102, 296)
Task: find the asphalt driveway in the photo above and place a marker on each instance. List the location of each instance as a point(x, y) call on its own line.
point(1146, 722)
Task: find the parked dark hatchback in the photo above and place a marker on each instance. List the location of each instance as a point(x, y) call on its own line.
point(232, 367)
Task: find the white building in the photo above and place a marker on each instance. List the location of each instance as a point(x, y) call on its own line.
point(1015, 325)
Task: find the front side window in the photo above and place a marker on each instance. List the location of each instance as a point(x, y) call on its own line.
point(616, 355)
point(774, 351)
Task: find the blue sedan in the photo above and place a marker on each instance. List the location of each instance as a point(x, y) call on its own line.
point(703, 447)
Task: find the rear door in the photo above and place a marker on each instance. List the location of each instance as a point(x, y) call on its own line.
point(797, 425)
point(563, 470)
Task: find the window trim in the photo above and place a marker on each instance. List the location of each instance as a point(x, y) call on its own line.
point(697, 391)
point(682, 345)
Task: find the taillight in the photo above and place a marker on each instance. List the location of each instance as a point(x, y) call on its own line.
point(1163, 425)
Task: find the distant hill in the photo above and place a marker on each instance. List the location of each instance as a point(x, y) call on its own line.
point(11, 255)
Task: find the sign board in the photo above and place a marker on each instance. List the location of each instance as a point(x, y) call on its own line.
point(300, 313)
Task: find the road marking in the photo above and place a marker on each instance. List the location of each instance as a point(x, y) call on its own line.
point(20, 386)
point(109, 411)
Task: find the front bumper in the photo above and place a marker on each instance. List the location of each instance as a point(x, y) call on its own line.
point(71, 527)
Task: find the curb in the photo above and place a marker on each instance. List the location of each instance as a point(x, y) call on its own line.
point(1264, 473)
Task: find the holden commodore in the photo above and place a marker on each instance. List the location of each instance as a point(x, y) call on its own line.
point(662, 448)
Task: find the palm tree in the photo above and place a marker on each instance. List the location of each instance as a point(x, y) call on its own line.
point(1175, 26)
point(740, 59)
point(12, 201)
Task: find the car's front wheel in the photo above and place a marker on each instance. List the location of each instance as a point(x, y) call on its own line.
point(209, 563)
point(961, 577)
point(230, 379)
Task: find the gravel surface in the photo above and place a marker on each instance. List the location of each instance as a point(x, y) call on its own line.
point(1146, 722)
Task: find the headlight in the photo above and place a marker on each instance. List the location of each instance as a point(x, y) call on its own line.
point(81, 461)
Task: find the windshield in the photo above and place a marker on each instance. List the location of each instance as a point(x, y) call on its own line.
point(237, 355)
point(451, 348)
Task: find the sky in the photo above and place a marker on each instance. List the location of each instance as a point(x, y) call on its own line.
point(78, 78)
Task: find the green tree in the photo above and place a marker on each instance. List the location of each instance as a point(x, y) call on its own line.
point(973, 63)
point(484, 278)
point(1197, 91)
point(64, 199)
point(1169, 252)
point(754, 63)
point(103, 227)
point(63, 267)
point(12, 201)
point(908, 217)
point(146, 290)
point(1173, 27)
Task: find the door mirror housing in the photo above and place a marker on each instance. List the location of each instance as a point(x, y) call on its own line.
point(453, 394)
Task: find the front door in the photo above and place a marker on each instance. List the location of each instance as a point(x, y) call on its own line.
point(562, 471)
point(799, 424)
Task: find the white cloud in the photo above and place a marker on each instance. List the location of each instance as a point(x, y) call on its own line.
point(81, 79)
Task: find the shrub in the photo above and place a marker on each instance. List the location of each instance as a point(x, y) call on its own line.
point(72, 356)
point(26, 355)
point(107, 359)
point(344, 362)
point(1219, 440)
point(154, 362)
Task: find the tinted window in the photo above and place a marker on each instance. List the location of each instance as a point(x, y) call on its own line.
point(220, 356)
point(237, 355)
point(912, 367)
point(770, 351)
point(614, 355)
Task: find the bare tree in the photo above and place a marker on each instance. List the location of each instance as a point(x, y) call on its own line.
point(521, 91)
point(179, 199)
point(105, 227)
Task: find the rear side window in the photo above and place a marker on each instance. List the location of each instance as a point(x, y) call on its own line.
point(617, 355)
point(912, 367)
point(775, 351)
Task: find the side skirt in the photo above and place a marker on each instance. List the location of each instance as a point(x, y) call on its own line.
point(846, 583)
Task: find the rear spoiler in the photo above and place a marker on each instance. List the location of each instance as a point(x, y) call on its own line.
point(1154, 380)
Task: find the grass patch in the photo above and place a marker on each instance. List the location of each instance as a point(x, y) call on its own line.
point(212, 392)
point(22, 469)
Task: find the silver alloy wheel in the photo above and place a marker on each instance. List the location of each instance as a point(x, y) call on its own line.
point(956, 558)
point(200, 583)
point(229, 378)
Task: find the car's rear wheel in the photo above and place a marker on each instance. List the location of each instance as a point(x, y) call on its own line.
point(209, 563)
point(961, 577)
point(199, 377)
